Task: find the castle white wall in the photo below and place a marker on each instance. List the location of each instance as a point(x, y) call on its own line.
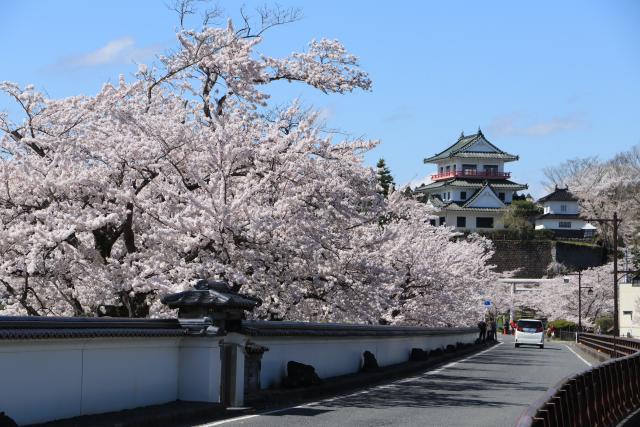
point(572, 208)
point(554, 224)
point(452, 218)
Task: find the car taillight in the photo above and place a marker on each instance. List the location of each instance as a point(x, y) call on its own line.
point(540, 329)
point(520, 328)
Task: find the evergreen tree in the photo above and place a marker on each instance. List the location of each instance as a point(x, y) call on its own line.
point(384, 178)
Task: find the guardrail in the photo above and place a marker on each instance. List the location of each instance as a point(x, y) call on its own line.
point(599, 396)
point(613, 346)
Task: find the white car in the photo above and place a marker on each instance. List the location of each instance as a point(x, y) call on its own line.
point(530, 332)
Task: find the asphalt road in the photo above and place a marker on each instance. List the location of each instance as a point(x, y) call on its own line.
point(491, 388)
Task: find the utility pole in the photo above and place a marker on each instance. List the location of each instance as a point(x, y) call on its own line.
point(579, 301)
point(616, 320)
point(580, 288)
point(615, 220)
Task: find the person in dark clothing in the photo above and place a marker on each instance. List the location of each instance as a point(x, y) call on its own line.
point(494, 330)
point(482, 325)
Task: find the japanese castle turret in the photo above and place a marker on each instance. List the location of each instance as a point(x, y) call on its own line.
point(471, 189)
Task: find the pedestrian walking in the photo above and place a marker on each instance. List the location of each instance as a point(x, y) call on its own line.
point(494, 330)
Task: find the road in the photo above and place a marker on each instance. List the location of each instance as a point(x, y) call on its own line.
point(491, 388)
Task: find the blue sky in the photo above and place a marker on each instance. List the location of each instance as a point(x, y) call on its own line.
point(547, 80)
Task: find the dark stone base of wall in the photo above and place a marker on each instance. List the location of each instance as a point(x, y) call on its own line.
point(532, 257)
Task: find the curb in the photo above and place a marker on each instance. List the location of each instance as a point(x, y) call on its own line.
point(351, 382)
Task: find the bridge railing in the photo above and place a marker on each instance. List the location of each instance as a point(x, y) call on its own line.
point(599, 396)
point(611, 345)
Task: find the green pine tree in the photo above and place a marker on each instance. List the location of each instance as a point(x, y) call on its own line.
point(384, 178)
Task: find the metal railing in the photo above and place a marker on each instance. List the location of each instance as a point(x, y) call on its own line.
point(600, 396)
point(564, 335)
point(611, 345)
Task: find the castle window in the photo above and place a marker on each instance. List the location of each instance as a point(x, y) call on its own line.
point(448, 195)
point(463, 195)
point(443, 220)
point(432, 222)
point(564, 224)
point(501, 196)
point(563, 208)
point(484, 222)
point(461, 221)
point(491, 168)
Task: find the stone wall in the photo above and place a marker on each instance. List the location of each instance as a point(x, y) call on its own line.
point(532, 257)
point(579, 257)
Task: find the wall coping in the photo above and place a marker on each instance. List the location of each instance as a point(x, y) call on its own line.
point(35, 327)
point(271, 328)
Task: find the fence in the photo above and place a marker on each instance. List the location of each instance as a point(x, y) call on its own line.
point(613, 346)
point(599, 396)
point(565, 335)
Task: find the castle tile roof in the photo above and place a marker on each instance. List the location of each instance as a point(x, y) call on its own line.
point(460, 149)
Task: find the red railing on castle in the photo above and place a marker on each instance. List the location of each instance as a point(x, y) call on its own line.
point(471, 173)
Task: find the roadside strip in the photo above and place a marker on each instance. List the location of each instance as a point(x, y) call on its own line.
point(359, 393)
point(578, 356)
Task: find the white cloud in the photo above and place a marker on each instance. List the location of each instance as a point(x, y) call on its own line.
point(110, 52)
point(522, 124)
point(118, 51)
point(401, 113)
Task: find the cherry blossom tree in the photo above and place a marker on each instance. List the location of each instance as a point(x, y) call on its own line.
point(558, 298)
point(108, 202)
point(605, 187)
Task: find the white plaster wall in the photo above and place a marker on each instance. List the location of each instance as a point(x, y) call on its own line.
point(554, 208)
point(471, 220)
point(199, 369)
point(332, 356)
point(44, 380)
point(554, 224)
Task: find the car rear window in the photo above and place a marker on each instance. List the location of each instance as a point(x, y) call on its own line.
point(529, 323)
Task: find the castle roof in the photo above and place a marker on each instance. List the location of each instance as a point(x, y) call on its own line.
point(487, 193)
point(466, 146)
point(464, 183)
point(559, 195)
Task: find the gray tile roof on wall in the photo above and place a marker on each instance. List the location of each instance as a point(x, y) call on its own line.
point(34, 327)
point(559, 216)
point(266, 328)
point(211, 293)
